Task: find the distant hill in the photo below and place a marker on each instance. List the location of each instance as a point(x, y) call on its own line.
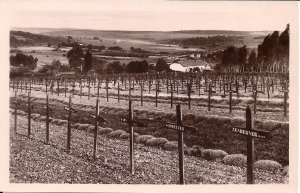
point(20, 38)
point(150, 40)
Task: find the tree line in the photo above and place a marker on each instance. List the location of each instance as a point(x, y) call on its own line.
point(272, 55)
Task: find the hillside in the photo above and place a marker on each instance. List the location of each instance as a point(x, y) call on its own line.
point(20, 38)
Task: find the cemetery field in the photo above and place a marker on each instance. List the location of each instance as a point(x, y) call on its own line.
point(213, 127)
point(33, 161)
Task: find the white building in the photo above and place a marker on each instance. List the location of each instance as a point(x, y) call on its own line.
point(188, 65)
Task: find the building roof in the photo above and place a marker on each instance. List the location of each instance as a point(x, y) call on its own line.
point(192, 63)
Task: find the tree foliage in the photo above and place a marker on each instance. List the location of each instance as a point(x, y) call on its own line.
point(114, 68)
point(137, 67)
point(21, 59)
point(75, 56)
point(88, 62)
point(161, 65)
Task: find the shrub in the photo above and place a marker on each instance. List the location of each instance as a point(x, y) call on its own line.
point(170, 116)
point(171, 146)
point(196, 150)
point(235, 160)
point(104, 130)
point(90, 128)
point(267, 165)
point(62, 122)
point(83, 126)
point(35, 116)
point(157, 142)
point(143, 138)
point(198, 118)
point(213, 154)
point(285, 171)
point(54, 121)
point(76, 125)
point(125, 136)
point(238, 121)
point(270, 125)
point(189, 116)
point(43, 118)
point(117, 133)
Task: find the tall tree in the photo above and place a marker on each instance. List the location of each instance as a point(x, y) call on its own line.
point(252, 61)
point(161, 65)
point(88, 61)
point(75, 58)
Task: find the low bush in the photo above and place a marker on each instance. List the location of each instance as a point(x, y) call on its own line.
point(90, 128)
point(117, 133)
point(124, 136)
point(267, 165)
point(269, 125)
point(143, 138)
point(235, 160)
point(43, 118)
point(196, 150)
point(83, 126)
point(75, 125)
point(104, 130)
point(213, 154)
point(157, 142)
point(189, 116)
point(285, 171)
point(238, 121)
point(171, 146)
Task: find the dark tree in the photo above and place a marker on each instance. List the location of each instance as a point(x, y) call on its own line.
point(114, 67)
point(137, 67)
point(75, 58)
point(252, 61)
point(230, 57)
point(242, 55)
point(21, 59)
point(88, 62)
point(161, 65)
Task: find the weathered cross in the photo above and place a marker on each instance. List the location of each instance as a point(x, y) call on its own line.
point(131, 123)
point(70, 111)
point(251, 134)
point(47, 118)
point(180, 129)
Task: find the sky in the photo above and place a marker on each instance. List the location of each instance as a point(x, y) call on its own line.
point(154, 15)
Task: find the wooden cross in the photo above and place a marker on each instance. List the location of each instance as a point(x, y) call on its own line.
point(131, 123)
point(29, 107)
point(180, 129)
point(209, 95)
point(97, 119)
point(47, 118)
point(70, 111)
point(156, 93)
point(286, 92)
point(251, 134)
point(16, 103)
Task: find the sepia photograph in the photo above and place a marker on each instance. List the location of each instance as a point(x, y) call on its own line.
point(150, 93)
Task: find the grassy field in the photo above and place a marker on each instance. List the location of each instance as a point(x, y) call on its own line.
point(32, 161)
